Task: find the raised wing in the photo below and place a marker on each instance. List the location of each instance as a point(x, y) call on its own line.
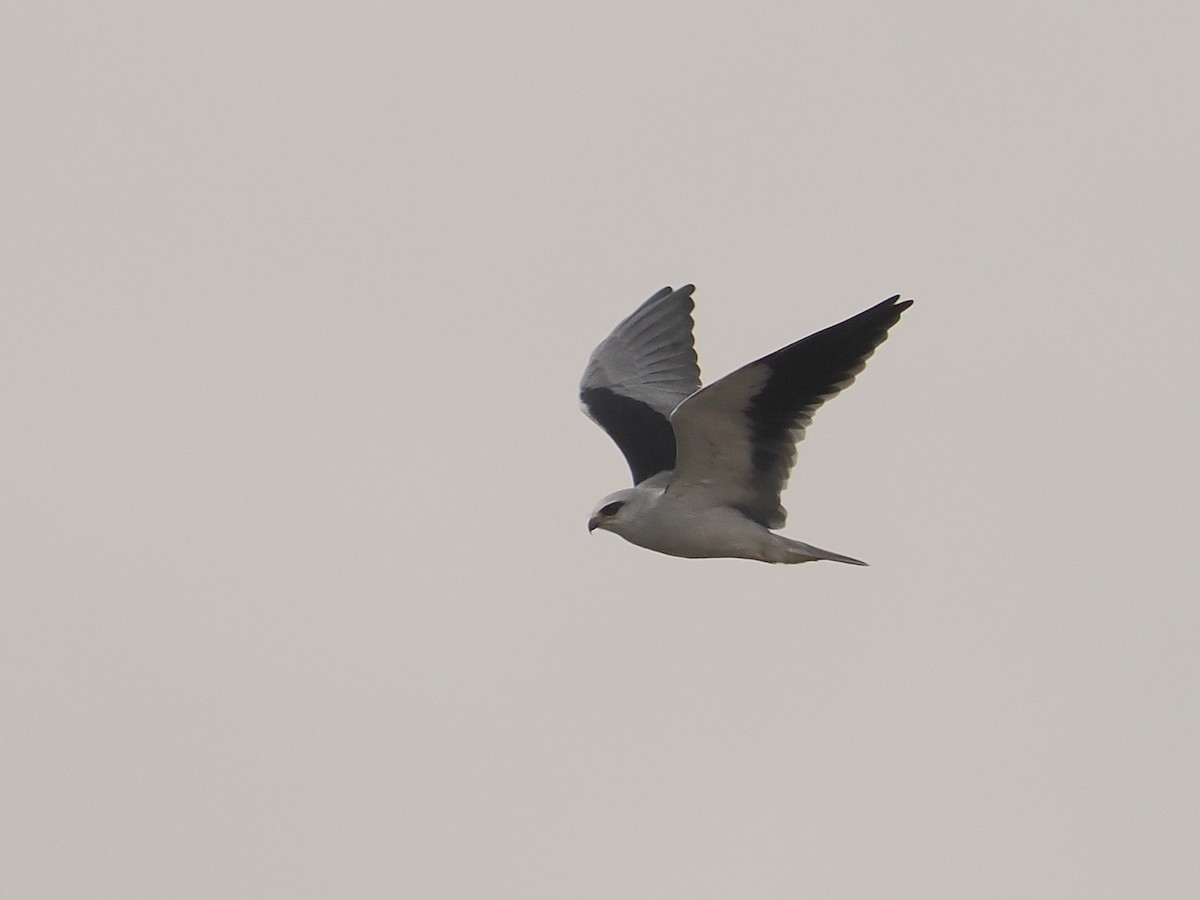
point(639, 374)
point(737, 437)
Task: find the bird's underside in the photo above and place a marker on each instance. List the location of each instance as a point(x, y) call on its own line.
point(709, 464)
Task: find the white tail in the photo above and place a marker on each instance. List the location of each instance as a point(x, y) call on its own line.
point(796, 552)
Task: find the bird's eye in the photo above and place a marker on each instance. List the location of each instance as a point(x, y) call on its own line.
point(611, 508)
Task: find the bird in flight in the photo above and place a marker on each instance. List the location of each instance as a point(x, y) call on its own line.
point(709, 464)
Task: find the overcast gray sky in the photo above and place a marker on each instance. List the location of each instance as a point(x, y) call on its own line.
point(299, 599)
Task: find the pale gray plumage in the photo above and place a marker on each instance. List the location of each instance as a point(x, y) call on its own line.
point(650, 355)
point(709, 464)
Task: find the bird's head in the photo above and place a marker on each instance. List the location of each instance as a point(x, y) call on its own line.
point(608, 512)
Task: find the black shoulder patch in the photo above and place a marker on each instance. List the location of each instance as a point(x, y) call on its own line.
point(644, 435)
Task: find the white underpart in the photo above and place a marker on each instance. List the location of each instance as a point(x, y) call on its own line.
point(689, 525)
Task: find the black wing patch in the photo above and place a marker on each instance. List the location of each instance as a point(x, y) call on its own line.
point(644, 435)
point(803, 376)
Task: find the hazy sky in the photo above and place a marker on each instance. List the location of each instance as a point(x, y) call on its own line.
point(298, 598)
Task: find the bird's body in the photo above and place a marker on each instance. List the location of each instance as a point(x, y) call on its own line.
point(709, 464)
point(690, 527)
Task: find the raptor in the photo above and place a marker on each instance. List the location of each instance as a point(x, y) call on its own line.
point(709, 464)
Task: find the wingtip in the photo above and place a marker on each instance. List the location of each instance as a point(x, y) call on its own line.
point(670, 292)
point(892, 307)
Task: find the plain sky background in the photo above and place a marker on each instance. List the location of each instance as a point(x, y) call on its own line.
point(298, 599)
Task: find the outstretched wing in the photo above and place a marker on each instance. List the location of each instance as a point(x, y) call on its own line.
point(737, 437)
point(639, 374)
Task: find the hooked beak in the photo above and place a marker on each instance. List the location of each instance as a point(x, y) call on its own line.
point(595, 522)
